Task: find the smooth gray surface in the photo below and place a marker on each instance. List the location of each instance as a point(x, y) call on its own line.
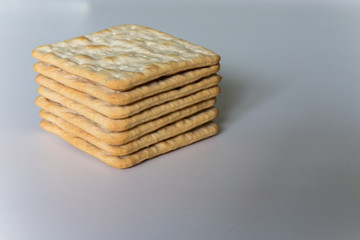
point(284, 166)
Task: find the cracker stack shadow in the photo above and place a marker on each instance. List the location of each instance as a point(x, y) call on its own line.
point(128, 93)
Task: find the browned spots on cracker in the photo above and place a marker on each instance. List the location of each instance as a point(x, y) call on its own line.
point(97, 47)
point(82, 57)
point(112, 58)
point(174, 55)
point(153, 66)
point(167, 43)
point(105, 31)
point(82, 39)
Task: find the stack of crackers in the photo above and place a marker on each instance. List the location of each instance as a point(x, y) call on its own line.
point(128, 93)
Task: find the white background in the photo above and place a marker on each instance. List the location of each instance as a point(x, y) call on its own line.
point(285, 165)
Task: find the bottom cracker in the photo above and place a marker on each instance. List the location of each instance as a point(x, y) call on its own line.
point(161, 134)
point(182, 140)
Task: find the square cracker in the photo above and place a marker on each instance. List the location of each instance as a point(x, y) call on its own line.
point(114, 97)
point(119, 112)
point(119, 138)
point(133, 121)
point(161, 134)
point(197, 134)
point(125, 56)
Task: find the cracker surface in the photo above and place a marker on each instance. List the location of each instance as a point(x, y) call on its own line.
point(125, 56)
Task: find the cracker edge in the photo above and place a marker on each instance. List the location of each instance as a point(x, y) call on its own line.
point(182, 140)
point(202, 117)
point(122, 112)
point(137, 119)
point(119, 138)
point(127, 97)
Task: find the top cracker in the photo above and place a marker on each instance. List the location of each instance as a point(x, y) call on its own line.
point(125, 56)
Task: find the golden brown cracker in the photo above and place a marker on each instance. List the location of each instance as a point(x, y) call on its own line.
point(197, 134)
point(161, 134)
point(125, 56)
point(135, 120)
point(119, 112)
point(114, 97)
point(119, 138)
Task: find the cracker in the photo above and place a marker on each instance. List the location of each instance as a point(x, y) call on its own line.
point(133, 121)
point(125, 56)
point(197, 134)
point(161, 134)
point(119, 138)
point(162, 84)
point(118, 112)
